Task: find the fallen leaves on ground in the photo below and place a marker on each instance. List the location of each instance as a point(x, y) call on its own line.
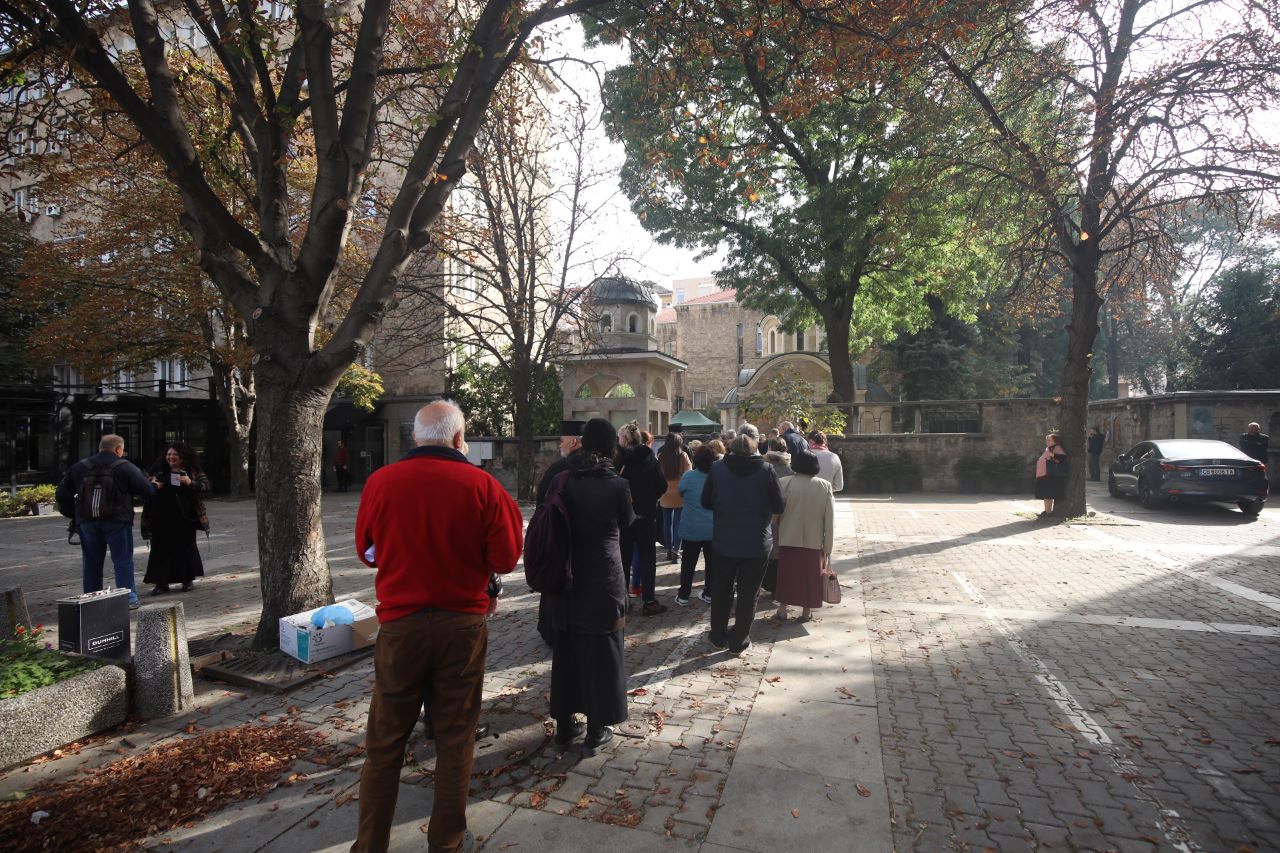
point(863, 790)
point(795, 813)
point(113, 807)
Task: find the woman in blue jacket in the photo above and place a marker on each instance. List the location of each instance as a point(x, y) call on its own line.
point(695, 527)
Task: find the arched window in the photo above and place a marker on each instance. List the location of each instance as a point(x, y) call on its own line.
point(632, 323)
point(773, 342)
point(606, 322)
point(651, 325)
point(800, 341)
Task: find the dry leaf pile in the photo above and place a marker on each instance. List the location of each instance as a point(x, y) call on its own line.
point(113, 807)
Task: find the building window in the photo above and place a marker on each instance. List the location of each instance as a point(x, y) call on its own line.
point(759, 342)
point(633, 323)
point(667, 348)
point(606, 322)
point(679, 297)
point(699, 399)
point(800, 341)
point(651, 325)
point(773, 342)
point(172, 371)
point(740, 350)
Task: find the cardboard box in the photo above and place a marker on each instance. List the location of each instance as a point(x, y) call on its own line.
point(307, 643)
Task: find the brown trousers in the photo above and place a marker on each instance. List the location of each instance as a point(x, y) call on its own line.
point(444, 652)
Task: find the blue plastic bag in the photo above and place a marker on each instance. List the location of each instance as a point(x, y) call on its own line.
point(334, 614)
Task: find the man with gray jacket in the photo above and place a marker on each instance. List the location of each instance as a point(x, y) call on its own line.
point(743, 495)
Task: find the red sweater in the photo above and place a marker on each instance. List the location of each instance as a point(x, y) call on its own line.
point(439, 526)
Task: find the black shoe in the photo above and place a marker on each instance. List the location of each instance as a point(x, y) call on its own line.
point(187, 587)
point(653, 608)
point(597, 739)
point(719, 644)
point(160, 589)
point(740, 650)
point(577, 730)
point(482, 729)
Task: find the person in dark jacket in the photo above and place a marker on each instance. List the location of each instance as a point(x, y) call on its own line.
point(1255, 442)
point(794, 439)
point(114, 532)
point(588, 674)
point(743, 495)
point(171, 518)
point(570, 442)
point(639, 467)
point(1093, 447)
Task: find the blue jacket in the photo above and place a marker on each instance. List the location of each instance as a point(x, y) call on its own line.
point(129, 481)
point(695, 521)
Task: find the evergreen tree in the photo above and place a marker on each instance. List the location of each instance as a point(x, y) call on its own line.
point(1235, 339)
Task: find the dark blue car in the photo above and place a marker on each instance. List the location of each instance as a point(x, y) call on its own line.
point(1191, 470)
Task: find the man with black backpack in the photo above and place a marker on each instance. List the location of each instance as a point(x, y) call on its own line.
point(98, 494)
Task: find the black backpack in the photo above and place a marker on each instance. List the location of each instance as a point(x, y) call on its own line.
point(99, 496)
point(548, 543)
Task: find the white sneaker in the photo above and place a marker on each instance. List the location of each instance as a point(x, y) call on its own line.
point(682, 601)
point(704, 598)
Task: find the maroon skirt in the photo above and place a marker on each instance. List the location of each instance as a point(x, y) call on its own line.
point(799, 577)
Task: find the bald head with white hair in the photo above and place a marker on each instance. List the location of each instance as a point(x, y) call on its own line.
point(440, 424)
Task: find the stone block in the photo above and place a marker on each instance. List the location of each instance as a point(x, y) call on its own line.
point(15, 611)
point(162, 669)
point(57, 714)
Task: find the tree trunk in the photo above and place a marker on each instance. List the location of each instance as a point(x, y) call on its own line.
point(238, 456)
point(524, 394)
point(1076, 372)
point(842, 383)
point(1113, 357)
point(235, 394)
point(291, 547)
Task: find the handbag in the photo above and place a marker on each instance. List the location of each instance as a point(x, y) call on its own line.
point(1056, 467)
point(830, 583)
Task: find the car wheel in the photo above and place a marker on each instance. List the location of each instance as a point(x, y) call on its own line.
point(1113, 487)
point(1147, 497)
point(1250, 507)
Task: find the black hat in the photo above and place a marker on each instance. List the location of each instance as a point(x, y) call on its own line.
point(573, 428)
point(676, 428)
point(804, 462)
point(599, 436)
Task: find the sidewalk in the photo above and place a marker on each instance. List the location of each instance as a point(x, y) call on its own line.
point(989, 682)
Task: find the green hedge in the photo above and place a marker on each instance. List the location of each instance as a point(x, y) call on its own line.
point(883, 473)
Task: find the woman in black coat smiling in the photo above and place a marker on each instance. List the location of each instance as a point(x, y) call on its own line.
point(588, 674)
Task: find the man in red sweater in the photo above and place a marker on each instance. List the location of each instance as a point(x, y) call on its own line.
point(435, 527)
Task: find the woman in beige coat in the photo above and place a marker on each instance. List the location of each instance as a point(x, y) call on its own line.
point(806, 535)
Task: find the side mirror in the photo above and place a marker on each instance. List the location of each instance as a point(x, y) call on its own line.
point(1123, 457)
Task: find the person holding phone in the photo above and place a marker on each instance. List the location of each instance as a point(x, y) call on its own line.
point(171, 518)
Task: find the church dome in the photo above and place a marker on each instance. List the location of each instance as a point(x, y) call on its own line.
point(619, 289)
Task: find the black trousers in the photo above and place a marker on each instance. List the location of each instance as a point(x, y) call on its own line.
point(640, 537)
point(741, 575)
point(1095, 466)
point(689, 563)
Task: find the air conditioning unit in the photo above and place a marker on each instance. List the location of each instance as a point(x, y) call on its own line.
point(53, 210)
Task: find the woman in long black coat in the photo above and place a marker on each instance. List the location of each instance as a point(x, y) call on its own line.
point(171, 518)
point(588, 674)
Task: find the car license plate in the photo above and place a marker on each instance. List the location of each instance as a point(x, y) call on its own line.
point(1217, 472)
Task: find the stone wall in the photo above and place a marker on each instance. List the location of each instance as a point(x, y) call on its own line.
point(1189, 414)
point(498, 457)
point(707, 340)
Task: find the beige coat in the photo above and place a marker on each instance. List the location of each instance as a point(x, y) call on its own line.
point(810, 516)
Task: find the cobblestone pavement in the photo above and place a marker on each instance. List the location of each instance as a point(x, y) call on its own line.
point(1107, 685)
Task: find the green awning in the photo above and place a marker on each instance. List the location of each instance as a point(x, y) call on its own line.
point(693, 420)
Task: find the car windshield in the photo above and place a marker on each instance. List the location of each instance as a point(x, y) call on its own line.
point(1199, 449)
